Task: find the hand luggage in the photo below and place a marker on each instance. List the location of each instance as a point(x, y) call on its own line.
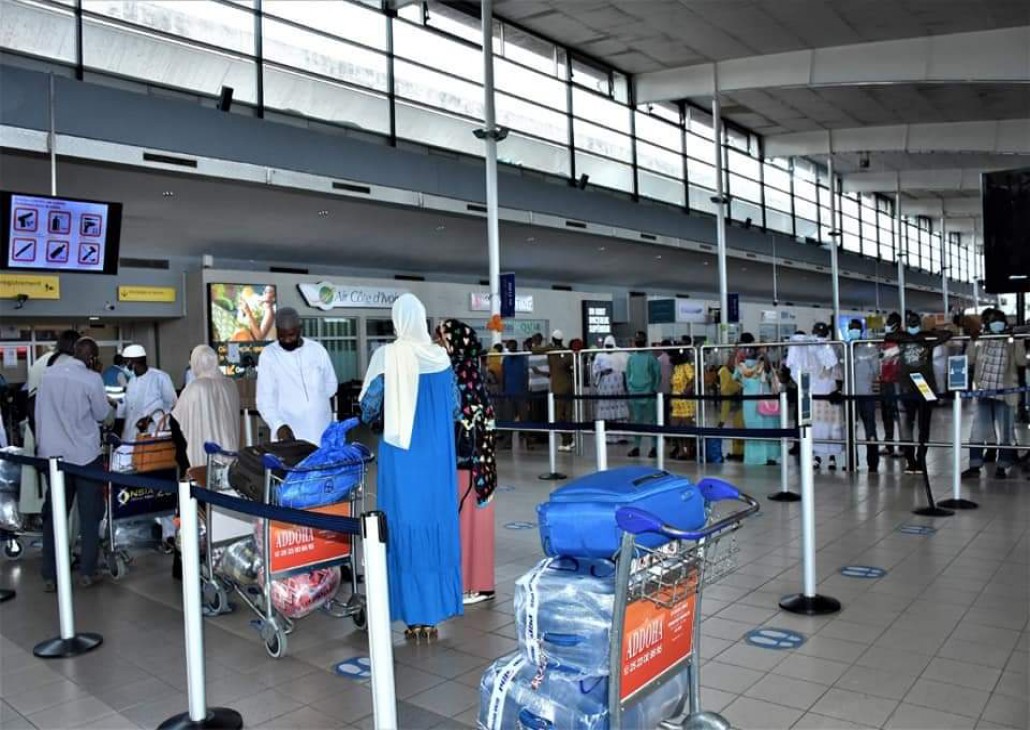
point(509, 699)
point(713, 451)
point(563, 614)
point(329, 474)
point(247, 474)
point(579, 519)
point(298, 595)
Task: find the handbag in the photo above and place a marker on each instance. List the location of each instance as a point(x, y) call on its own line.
point(154, 451)
point(768, 407)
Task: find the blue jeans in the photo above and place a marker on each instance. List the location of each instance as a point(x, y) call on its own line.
point(992, 424)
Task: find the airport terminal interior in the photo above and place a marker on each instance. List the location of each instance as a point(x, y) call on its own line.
point(751, 452)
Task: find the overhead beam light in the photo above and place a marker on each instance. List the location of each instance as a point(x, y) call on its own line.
point(323, 213)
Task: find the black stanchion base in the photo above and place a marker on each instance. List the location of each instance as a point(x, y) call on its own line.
point(785, 497)
point(554, 477)
point(958, 504)
point(6, 595)
point(810, 605)
point(65, 648)
point(218, 718)
point(934, 511)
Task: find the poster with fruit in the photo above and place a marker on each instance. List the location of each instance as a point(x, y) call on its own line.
point(242, 321)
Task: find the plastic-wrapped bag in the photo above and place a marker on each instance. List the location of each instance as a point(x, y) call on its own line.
point(10, 493)
point(563, 614)
point(240, 562)
point(327, 475)
point(508, 699)
point(299, 595)
point(143, 532)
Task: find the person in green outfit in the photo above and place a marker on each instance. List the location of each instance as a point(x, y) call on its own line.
point(643, 377)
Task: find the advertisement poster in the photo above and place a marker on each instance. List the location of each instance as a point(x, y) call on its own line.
point(296, 546)
point(655, 639)
point(135, 502)
point(242, 318)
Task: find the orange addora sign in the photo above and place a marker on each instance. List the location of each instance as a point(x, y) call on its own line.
point(654, 639)
point(295, 546)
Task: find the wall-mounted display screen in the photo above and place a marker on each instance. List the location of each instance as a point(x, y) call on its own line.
point(242, 322)
point(46, 233)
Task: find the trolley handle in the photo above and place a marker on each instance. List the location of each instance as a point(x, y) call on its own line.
point(114, 440)
point(636, 521)
point(213, 449)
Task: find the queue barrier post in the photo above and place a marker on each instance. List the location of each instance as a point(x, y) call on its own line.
point(808, 602)
point(784, 495)
point(69, 643)
point(248, 428)
point(552, 444)
point(956, 501)
point(601, 445)
point(660, 421)
point(380, 643)
point(199, 714)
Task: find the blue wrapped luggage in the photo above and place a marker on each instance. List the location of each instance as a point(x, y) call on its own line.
point(579, 519)
point(328, 474)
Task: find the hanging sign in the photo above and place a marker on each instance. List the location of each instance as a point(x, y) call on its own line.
point(733, 305)
point(32, 286)
point(147, 294)
point(958, 372)
point(10, 358)
point(508, 295)
point(480, 301)
point(597, 320)
point(326, 296)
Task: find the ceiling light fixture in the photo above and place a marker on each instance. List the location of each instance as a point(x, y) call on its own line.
point(600, 248)
point(530, 239)
point(168, 194)
point(441, 228)
point(323, 213)
point(659, 256)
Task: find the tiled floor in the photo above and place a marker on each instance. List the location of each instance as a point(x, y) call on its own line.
point(940, 642)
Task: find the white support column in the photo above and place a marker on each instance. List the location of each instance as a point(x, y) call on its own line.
point(660, 421)
point(944, 264)
point(720, 219)
point(490, 139)
point(902, 254)
point(52, 135)
point(600, 445)
point(835, 239)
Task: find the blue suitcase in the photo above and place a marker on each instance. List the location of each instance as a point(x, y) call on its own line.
point(579, 519)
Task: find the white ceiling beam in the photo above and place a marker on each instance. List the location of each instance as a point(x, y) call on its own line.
point(951, 208)
point(888, 182)
point(1006, 136)
point(990, 56)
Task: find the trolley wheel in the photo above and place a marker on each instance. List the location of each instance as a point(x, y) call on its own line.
point(275, 644)
point(13, 548)
point(117, 566)
point(215, 599)
point(360, 620)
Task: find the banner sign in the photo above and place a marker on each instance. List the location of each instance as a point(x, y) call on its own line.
point(135, 502)
point(147, 294)
point(958, 372)
point(507, 295)
point(326, 296)
point(688, 311)
point(32, 286)
point(295, 546)
point(480, 301)
point(661, 311)
point(597, 320)
point(733, 305)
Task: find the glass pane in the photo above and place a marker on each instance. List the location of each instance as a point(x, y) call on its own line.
point(528, 50)
point(806, 228)
point(742, 164)
point(301, 49)
point(590, 76)
point(659, 187)
point(659, 159)
point(433, 50)
point(603, 141)
point(344, 356)
point(39, 30)
point(535, 154)
point(741, 187)
point(438, 90)
point(438, 129)
point(526, 117)
point(700, 148)
point(545, 90)
point(344, 327)
point(869, 246)
point(600, 110)
point(454, 22)
point(295, 92)
point(777, 177)
point(741, 211)
point(701, 199)
point(698, 173)
point(659, 132)
point(209, 22)
point(777, 199)
point(605, 172)
point(700, 123)
point(134, 53)
point(340, 18)
point(777, 221)
point(309, 327)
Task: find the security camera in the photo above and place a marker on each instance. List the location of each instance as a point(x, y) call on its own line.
point(109, 306)
point(776, 302)
point(20, 300)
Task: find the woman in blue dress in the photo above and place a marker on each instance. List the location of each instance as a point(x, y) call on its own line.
point(409, 392)
point(753, 374)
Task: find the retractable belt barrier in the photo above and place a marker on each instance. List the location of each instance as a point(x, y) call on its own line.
point(371, 526)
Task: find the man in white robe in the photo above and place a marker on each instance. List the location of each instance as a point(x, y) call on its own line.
point(295, 383)
point(822, 363)
point(149, 395)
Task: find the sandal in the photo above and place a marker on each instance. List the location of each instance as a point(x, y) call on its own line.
point(421, 631)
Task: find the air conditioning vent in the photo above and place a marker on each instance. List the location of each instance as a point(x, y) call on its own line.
point(169, 160)
point(408, 277)
point(706, 247)
point(143, 263)
point(561, 287)
point(287, 270)
point(752, 256)
point(575, 224)
point(648, 237)
point(475, 208)
point(352, 188)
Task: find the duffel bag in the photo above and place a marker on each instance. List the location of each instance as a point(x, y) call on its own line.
point(329, 474)
point(579, 519)
point(247, 474)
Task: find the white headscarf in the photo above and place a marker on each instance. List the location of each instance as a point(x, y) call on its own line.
point(209, 407)
point(401, 363)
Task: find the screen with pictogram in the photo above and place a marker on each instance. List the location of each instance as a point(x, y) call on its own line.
point(47, 233)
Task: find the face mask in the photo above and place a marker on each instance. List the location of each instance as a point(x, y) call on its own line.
point(751, 362)
point(914, 330)
point(852, 335)
point(997, 327)
point(889, 328)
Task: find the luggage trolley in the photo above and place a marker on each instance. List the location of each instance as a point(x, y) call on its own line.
point(657, 613)
point(277, 561)
point(133, 503)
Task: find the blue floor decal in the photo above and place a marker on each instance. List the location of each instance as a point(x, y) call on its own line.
point(774, 639)
point(862, 571)
point(917, 530)
point(360, 667)
point(520, 526)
